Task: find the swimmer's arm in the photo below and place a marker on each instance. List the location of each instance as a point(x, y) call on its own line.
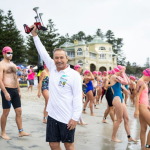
point(41, 77)
point(122, 80)
point(41, 49)
point(124, 89)
point(139, 89)
point(77, 98)
point(91, 77)
point(1, 80)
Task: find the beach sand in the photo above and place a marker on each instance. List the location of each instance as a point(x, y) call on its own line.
point(95, 136)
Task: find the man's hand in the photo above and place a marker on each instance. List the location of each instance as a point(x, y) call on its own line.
point(136, 114)
point(7, 96)
point(72, 124)
point(34, 31)
point(20, 95)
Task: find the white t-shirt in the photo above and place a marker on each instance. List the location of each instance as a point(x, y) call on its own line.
point(65, 91)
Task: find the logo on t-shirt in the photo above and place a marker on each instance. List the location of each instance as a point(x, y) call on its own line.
point(62, 82)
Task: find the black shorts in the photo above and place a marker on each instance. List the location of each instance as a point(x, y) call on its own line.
point(15, 99)
point(57, 131)
point(31, 82)
point(109, 98)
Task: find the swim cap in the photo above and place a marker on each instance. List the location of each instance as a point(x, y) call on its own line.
point(146, 72)
point(76, 67)
point(99, 73)
point(104, 72)
point(132, 77)
point(6, 49)
point(109, 72)
point(113, 71)
point(86, 72)
point(118, 68)
point(95, 72)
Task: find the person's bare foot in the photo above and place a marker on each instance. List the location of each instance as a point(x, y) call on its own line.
point(132, 140)
point(97, 103)
point(116, 140)
point(84, 112)
point(22, 133)
point(101, 102)
point(104, 121)
point(96, 107)
point(5, 136)
point(93, 114)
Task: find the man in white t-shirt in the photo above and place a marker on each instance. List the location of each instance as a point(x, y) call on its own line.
point(65, 102)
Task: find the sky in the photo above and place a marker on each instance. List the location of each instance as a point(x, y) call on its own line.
point(128, 19)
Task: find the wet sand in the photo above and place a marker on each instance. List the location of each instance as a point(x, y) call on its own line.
point(95, 136)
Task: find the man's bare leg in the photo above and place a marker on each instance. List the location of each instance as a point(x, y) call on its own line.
point(69, 146)
point(3, 124)
point(19, 122)
point(55, 145)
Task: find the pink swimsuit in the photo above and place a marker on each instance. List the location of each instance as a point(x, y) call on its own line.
point(144, 97)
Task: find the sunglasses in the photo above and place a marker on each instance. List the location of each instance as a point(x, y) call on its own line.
point(9, 53)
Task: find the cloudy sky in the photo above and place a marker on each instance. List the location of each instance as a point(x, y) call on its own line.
point(128, 19)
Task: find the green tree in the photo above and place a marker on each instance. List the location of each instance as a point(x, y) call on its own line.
point(100, 33)
point(110, 37)
point(14, 39)
point(89, 38)
point(147, 64)
point(63, 39)
point(1, 31)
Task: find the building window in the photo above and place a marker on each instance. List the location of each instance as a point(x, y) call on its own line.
point(109, 56)
point(102, 56)
point(87, 52)
point(102, 48)
point(92, 55)
point(79, 51)
point(80, 63)
point(109, 48)
point(71, 54)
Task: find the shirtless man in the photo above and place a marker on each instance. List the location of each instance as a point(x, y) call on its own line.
point(10, 92)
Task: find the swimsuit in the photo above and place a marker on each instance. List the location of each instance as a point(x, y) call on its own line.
point(109, 96)
point(117, 91)
point(100, 83)
point(89, 86)
point(126, 86)
point(144, 97)
point(45, 83)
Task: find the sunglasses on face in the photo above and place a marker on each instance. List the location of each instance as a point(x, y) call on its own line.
point(9, 53)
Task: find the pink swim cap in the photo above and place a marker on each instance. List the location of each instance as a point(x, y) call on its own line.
point(86, 72)
point(6, 49)
point(104, 72)
point(95, 72)
point(109, 72)
point(132, 77)
point(99, 73)
point(113, 71)
point(120, 67)
point(146, 72)
point(76, 67)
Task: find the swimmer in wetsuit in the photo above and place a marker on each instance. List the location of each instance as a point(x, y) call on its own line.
point(142, 108)
point(44, 87)
point(88, 77)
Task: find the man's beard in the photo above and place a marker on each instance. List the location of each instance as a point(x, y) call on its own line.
point(9, 58)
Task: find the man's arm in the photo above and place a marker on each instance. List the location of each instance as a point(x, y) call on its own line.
point(77, 102)
point(7, 96)
point(41, 49)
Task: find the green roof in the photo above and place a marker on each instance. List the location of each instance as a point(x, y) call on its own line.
point(97, 40)
point(67, 44)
